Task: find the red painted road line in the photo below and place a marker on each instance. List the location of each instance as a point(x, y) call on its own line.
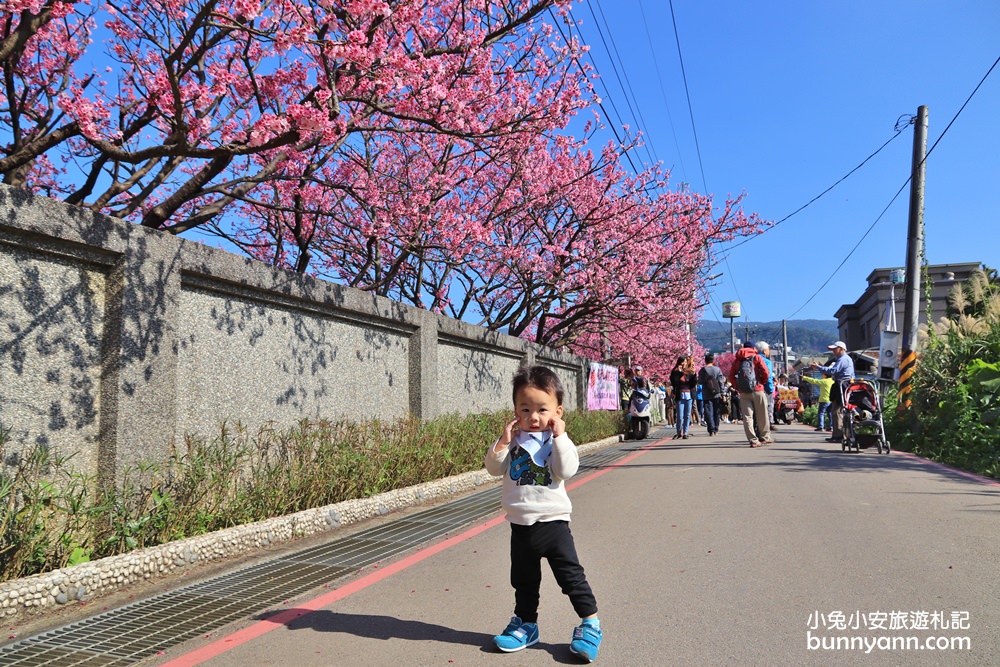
point(956, 471)
point(260, 628)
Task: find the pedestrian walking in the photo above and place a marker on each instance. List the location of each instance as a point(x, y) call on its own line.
point(764, 350)
point(713, 387)
point(670, 406)
point(735, 414)
point(699, 402)
point(749, 374)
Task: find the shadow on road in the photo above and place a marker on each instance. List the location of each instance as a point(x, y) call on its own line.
point(799, 457)
point(372, 626)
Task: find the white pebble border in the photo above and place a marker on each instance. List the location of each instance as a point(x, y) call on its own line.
point(88, 581)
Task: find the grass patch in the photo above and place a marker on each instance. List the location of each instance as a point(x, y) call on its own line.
point(51, 516)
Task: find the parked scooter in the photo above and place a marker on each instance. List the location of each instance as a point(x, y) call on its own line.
point(787, 406)
point(640, 410)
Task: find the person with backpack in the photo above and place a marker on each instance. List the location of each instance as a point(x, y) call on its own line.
point(713, 388)
point(749, 374)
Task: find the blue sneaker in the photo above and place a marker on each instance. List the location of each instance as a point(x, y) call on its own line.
point(517, 636)
point(586, 641)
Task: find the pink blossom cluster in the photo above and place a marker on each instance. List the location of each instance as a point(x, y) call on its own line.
point(417, 149)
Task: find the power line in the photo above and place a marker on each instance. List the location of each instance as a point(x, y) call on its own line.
point(733, 280)
point(858, 244)
point(600, 103)
point(962, 107)
point(637, 112)
point(694, 128)
point(687, 92)
point(898, 128)
point(817, 197)
point(663, 91)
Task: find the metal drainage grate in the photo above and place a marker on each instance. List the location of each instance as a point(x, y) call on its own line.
point(129, 634)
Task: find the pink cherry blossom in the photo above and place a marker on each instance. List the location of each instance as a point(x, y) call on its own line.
point(417, 149)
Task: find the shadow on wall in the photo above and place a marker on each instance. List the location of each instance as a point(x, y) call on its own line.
point(252, 356)
point(89, 320)
point(115, 340)
point(50, 312)
point(481, 376)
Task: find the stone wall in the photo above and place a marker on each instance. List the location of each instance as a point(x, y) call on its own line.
point(117, 340)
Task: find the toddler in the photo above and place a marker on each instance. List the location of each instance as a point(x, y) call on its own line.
point(535, 456)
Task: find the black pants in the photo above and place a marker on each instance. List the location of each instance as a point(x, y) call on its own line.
point(553, 541)
point(837, 410)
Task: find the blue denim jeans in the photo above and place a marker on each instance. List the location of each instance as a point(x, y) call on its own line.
point(683, 415)
point(824, 410)
point(711, 414)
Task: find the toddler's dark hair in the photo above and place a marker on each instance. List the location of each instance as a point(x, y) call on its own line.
point(539, 377)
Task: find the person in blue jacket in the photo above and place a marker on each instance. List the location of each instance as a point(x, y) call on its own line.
point(764, 350)
point(842, 372)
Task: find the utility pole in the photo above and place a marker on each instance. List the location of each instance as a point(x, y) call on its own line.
point(914, 241)
point(784, 345)
point(731, 310)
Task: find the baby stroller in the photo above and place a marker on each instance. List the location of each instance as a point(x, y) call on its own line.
point(863, 425)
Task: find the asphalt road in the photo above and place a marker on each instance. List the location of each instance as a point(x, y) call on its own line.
point(701, 552)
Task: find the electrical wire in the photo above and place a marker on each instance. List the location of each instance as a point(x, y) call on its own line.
point(858, 244)
point(630, 92)
point(663, 90)
point(600, 103)
point(817, 197)
point(636, 115)
point(694, 129)
point(687, 92)
point(969, 99)
point(898, 129)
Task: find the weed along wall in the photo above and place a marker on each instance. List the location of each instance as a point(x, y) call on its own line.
point(117, 340)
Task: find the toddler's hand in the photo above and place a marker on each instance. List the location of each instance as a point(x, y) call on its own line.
point(508, 435)
point(557, 426)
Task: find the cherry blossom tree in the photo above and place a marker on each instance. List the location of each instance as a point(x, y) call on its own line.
point(417, 149)
point(211, 99)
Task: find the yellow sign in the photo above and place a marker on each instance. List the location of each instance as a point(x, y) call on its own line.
point(788, 394)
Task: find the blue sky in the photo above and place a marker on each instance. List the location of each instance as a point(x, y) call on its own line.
point(787, 98)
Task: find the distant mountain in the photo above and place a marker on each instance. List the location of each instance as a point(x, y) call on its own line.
point(804, 336)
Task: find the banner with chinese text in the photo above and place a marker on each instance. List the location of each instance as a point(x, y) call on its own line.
point(602, 388)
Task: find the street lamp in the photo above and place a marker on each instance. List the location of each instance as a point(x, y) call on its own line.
point(731, 311)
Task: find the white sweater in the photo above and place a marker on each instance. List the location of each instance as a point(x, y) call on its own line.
point(531, 492)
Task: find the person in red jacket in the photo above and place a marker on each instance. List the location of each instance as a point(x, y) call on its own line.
point(753, 403)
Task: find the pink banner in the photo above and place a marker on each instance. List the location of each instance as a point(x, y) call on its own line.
point(602, 388)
